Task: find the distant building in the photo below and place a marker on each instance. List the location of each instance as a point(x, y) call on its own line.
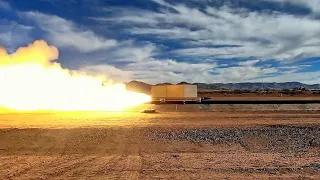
point(181, 92)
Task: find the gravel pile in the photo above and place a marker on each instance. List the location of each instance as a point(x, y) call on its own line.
point(272, 138)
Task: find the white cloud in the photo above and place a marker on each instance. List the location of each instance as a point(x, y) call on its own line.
point(110, 72)
point(6, 37)
point(154, 71)
point(314, 5)
point(162, 2)
point(243, 73)
point(170, 65)
point(227, 52)
point(293, 68)
point(132, 15)
point(249, 63)
point(5, 5)
point(136, 62)
point(13, 34)
point(262, 35)
point(64, 33)
point(132, 53)
point(305, 77)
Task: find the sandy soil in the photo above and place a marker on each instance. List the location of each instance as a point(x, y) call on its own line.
point(166, 145)
point(161, 119)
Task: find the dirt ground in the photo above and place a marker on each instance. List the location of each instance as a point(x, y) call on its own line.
point(166, 145)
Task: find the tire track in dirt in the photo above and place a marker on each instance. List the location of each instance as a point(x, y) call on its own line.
point(74, 168)
point(111, 165)
point(31, 162)
point(131, 167)
point(65, 167)
point(53, 162)
point(98, 166)
point(105, 168)
point(51, 168)
point(130, 175)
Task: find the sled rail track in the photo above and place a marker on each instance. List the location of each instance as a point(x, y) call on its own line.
point(317, 101)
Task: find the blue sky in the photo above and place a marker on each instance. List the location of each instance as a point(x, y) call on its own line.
point(173, 41)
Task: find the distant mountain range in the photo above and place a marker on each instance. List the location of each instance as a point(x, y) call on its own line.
point(252, 86)
point(146, 88)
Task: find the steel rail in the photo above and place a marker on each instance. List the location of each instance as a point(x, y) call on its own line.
point(291, 101)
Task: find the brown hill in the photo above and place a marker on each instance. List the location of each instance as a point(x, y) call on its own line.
point(138, 86)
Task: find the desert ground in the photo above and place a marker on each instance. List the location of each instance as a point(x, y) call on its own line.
point(221, 142)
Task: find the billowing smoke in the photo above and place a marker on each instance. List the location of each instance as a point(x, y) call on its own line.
point(30, 80)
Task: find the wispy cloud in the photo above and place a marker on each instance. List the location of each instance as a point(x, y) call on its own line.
point(306, 77)
point(64, 33)
point(13, 34)
point(110, 72)
point(262, 35)
point(214, 33)
point(118, 60)
point(243, 73)
point(249, 63)
point(314, 5)
point(5, 5)
point(155, 70)
point(172, 41)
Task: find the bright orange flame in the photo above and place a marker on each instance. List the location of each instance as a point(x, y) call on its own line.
point(29, 80)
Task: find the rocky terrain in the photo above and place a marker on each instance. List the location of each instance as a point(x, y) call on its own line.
point(277, 138)
point(164, 145)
